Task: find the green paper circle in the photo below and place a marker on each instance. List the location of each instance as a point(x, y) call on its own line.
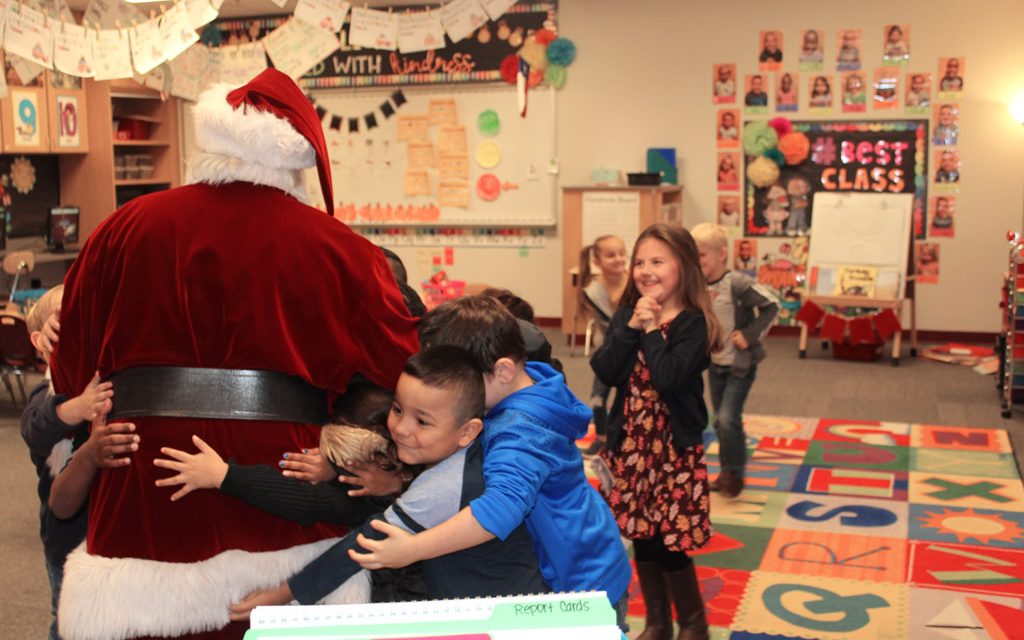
point(488, 123)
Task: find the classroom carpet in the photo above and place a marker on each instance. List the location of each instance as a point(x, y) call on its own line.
point(860, 530)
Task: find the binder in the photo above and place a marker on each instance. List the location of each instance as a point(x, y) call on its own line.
point(554, 616)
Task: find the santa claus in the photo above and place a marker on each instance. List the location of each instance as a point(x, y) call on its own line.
point(233, 310)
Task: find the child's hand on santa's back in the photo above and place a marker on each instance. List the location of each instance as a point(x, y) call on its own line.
point(309, 465)
point(204, 469)
point(279, 595)
point(109, 444)
point(371, 480)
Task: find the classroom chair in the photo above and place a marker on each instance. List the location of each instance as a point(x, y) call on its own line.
point(17, 353)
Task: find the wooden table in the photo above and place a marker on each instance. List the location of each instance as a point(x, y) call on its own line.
point(871, 303)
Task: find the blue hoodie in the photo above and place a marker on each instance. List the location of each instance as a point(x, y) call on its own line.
point(534, 472)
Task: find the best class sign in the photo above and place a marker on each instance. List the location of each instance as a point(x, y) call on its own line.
point(868, 165)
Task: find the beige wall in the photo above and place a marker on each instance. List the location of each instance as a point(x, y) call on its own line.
point(642, 80)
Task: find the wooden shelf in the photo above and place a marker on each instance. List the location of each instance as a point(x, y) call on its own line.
point(141, 143)
point(140, 182)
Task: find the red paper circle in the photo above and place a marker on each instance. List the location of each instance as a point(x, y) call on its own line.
point(488, 187)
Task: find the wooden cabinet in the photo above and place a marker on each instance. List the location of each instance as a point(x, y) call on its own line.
point(46, 116)
point(652, 204)
point(94, 182)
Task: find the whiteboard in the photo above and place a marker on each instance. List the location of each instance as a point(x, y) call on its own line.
point(370, 167)
point(866, 229)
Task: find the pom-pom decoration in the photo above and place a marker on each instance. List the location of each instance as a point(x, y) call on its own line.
point(536, 77)
point(762, 172)
point(535, 54)
point(545, 36)
point(794, 147)
point(555, 75)
point(775, 156)
point(758, 137)
point(781, 125)
point(561, 51)
point(510, 68)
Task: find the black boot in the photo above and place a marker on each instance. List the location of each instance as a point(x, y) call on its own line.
point(685, 590)
point(728, 483)
point(659, 609)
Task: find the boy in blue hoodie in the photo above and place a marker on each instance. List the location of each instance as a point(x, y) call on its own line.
point(533, 471)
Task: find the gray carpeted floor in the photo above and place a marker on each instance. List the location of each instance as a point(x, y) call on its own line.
point(916, 391)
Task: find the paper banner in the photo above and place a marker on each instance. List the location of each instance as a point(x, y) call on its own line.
point(861, 331)
point(419, 156)
point(373, 29)
point(187, 72)
point(112, 54)
point(200, 13)
point(240, 64)
point(27, 71)
point(147, 46)
point(211, 72)
point(72, 51)
point(68, 134)
point(454, 194)
point(111, 15)
point(833, 328)
point(325, 14)
point(29, 34)
point(461, 18)
point(887, 323)
point(442, 111)
point(810, 314)
point(295, 47)
point(496, 8)
point(177, 31)
point(420, 31)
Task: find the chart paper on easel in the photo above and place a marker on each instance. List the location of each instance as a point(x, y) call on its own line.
point(611, 213)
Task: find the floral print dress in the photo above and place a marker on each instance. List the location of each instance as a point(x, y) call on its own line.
point(657, 490)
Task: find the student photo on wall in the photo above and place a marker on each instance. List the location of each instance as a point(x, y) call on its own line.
point(820, 93)
point(951, 82)
point(896, 47)
point(729, 214)
point(886, 88)
point(728, 131)
point(728, 171)
point(812, 50)
point(926, 262)
point(919, 93)
point(855, 96)
point(723, 78)
point(941, 216)
point(745, 257)
point(947, 127)
point(786, 94)
point(848, 55)
point(755, 100)
point(770, 57)
point(947, 162)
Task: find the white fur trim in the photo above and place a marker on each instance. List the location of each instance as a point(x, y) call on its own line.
point(212, 168)
point(248, 134)
point(58, 458)
point(117, 598)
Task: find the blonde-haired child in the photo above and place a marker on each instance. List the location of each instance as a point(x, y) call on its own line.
point(745, 310)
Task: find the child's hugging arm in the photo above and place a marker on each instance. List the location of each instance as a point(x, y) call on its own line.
point(613, 361)
point(48, 418)
point(515, 468)
point(107, 448)
point(674, 362)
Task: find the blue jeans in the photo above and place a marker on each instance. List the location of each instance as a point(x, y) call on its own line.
point(728, 395)
point(56, 576)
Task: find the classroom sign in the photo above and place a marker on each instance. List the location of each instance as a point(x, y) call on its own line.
point(886, 156)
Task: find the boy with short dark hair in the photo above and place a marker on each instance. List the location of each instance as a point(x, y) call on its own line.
point(434, 421)
point(532, 467)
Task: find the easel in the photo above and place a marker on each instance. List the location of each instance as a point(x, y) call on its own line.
point(851, 229)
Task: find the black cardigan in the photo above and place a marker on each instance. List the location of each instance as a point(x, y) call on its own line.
point(675, 364)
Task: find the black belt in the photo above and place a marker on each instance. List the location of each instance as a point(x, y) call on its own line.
point(232, 394)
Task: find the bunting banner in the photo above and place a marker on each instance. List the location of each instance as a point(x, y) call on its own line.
point(335, 121)
point(869, 328)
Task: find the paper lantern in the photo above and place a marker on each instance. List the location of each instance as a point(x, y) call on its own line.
point(561, 51)
point(510, 68)
point(545, 36)
point(535, 54)
point(758, 137)
point(794, 147)
point(555, 75)
point(762, 172)
point(781, 125)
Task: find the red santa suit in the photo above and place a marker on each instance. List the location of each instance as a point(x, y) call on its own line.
point(231, 272)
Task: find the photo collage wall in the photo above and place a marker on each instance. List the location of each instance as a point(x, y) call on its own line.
point(906, 142)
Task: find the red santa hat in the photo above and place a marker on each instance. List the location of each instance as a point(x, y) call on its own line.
point(267, 125)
